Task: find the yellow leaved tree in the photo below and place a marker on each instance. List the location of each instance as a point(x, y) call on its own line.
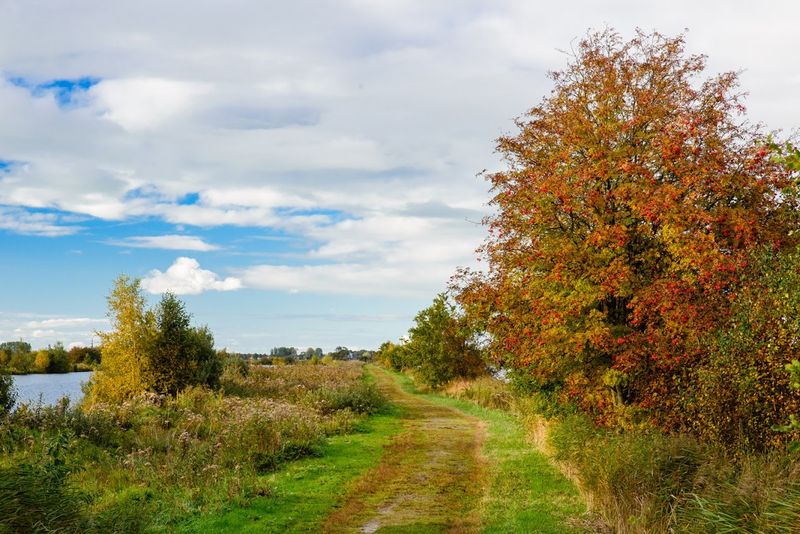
point(126, 348)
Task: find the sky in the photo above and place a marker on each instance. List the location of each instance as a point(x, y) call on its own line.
point(299, 173)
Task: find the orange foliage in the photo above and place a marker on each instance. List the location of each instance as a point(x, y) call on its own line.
point(634, 198)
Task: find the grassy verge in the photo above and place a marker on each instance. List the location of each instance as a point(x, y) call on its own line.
point(305, 491)
point(525, 492)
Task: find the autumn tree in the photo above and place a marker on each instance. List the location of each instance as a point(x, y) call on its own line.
point(13, 350)
point(634, 197)
point(125, 369)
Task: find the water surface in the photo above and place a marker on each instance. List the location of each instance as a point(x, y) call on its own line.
point(50, 387)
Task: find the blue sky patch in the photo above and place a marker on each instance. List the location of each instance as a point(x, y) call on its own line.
point(333, 216)
point(189, 199)
point(149, 191)
point(67, 92)
point(7, 165)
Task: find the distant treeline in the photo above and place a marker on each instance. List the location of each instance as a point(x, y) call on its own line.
point(17, 357)
point(294, 353)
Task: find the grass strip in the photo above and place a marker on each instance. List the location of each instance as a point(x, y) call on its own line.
point(526, 493)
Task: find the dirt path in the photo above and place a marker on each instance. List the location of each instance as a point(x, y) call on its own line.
point(430, 477)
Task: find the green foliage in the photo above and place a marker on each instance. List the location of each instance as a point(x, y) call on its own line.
point(233, 364)
point(340, 353)
point(439, 348)
point(786, 154)
point(88, 356)
point(181, 355)
point(8, 394)
point(59, 360)
point(22, 362)
point(17, 357)
point(283, 351)
point(738, 392)
point(15, 347)
point(392, 356)
point(793, 368)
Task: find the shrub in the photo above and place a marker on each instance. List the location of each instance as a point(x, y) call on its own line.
point(234, 365)
point(8, 394)
point(738, 392)
point(439, 348)
point(359, 398)
point(392, 356)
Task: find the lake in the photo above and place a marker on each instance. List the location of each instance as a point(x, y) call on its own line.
point(50, 387)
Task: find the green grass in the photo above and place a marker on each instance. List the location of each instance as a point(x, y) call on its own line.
point(304, 492)
point(526, 493)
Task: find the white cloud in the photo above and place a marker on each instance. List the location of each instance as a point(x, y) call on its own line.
point(185, 277)
point(144, 103)
point(65, 322)
point(41, 224)
point(166, 242)
point(258, 197)
point(350, 105)
point(376, 255)
point(201, 215)
point(349, 279)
